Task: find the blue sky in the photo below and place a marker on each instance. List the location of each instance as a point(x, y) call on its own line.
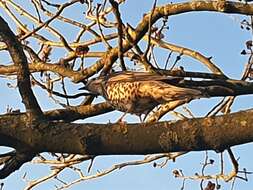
point(212, 34)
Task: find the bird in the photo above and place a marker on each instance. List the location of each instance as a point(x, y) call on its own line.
point(139, 92)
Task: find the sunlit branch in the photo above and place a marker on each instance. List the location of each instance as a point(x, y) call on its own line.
point(23, 75)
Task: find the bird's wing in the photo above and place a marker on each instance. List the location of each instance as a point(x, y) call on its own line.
point(129, 76)
point(163, 92)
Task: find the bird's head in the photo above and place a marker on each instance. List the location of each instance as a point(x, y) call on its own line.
point(95, 86)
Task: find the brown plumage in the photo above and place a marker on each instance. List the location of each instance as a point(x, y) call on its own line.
point(139, 92)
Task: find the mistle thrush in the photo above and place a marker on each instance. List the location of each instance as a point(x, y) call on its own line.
point(139, 92)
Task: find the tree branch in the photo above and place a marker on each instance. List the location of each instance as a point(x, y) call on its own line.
point(23, 74)
point(78, 112)
point(115, 9)
point(185, 51)
point(213, 133)
point(14, 162)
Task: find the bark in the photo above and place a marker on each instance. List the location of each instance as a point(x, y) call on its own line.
point(213, 133)
point(23, 74)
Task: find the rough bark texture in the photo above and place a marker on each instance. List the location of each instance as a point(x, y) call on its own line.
point(213, 133)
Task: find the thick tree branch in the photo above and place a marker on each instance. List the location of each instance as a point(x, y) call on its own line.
point(213, 133)
point(23, 74)
point(79, 112)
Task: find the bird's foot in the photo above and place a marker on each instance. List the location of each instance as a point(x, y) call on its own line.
point(123, 126)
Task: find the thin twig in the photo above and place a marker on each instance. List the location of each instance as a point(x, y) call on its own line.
point(150, 28)
point(115, 8)
point(100, 28)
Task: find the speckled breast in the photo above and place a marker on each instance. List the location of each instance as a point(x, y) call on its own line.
point(122, 95)
point(125, 96)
